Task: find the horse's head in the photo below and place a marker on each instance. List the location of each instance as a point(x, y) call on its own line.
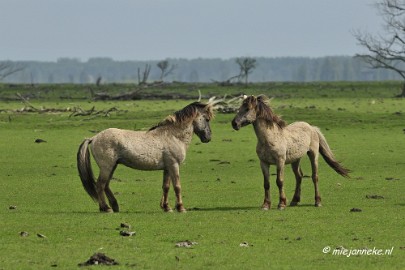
point(246, 113)
point(254, 108)
point(201, 122)
point(196, 115)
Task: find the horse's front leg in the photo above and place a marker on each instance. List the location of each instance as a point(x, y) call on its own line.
point(266, 184)
point(280, 183)
point(175, 176)
point(164, 203)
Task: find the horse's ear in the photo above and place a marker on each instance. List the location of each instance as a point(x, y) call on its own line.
point(209, 109)
point(262, 98)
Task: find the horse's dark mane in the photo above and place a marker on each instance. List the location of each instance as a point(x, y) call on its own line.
point(263, 111)
point(186, 114)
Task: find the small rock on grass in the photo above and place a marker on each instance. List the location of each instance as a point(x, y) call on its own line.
point(127, 233)
point(125, 225)
point(99, 258)
point(374, 197)
point(186, 243)
point(355, 210)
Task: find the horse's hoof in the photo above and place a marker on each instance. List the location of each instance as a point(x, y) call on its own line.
point(107, 210)
point(180, 209)
point(265, 206)
point(318, 205)
point(281, 207)
point(293, 203)
point(167, 209)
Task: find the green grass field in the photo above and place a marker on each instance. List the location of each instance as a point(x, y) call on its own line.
point(222, 188)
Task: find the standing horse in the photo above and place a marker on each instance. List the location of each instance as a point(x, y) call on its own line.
point(163, 147)
point(279, 144)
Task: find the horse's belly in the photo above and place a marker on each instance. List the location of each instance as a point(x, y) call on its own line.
point(272, 157)
point(293, 156)
point(143, 161)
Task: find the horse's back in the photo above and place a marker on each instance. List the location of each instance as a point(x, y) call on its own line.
point(135, 149)
point(301, 138)
point(290, 143)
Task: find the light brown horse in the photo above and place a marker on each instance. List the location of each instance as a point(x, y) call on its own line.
point(279, 144)
point(163, 147)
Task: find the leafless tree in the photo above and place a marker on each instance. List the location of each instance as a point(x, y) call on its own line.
point(246, 65)
point(98, 81)
point(7, 68)
point(165, 69)
point(145, 75)
point(387, 50)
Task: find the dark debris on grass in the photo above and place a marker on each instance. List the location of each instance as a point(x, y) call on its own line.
point(99, 259)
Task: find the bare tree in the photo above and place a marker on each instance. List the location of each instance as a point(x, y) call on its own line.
point(145, 75)
point(98, 81)
point(7, 68)
point(165, 69)
point(246, 65)
point(387, 51)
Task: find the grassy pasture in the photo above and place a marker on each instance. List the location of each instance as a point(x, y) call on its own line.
point(222, 189)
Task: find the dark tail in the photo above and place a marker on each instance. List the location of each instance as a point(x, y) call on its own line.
point(85, 171)
point(328, 156)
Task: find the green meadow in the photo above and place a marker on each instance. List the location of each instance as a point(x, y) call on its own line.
point(222, 185)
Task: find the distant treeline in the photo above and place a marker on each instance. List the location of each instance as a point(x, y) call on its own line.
point(297, 69)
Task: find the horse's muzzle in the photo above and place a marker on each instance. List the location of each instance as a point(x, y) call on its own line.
point(235, 125)
point(205, 137)
point(205, 140)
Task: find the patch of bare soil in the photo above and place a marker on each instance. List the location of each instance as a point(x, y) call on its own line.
point(97, 259)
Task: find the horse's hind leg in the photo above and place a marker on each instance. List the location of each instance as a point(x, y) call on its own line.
point(111, 198)
point(102, 188)
point(110, 195)
point(313, 156)
point(298, 178)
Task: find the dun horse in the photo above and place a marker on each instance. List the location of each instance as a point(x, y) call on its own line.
point(163, 147)
point(279, 144)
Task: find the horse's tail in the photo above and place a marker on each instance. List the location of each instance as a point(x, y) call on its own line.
point(85, 171)
point(328, 156)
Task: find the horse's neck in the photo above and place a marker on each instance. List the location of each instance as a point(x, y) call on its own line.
point(264, 133)
point(182, 133)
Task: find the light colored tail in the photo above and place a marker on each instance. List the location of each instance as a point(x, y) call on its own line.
point(328, 156)
point(85, 171)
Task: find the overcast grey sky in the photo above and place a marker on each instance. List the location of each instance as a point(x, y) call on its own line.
point(158, 29)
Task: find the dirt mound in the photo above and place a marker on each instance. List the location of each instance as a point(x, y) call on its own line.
point(99, 258)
